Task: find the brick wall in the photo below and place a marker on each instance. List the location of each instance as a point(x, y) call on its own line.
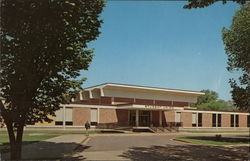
point(168, 116)
point(144, 101)
point(186, 119)
point(122, 116)
point(206, 120)
point(107, 115)
point(242, 120)
point(80, 116)
point(155, 118)
point(180, 104)
point(225, 120)
point(105, 101)
point(123, 100)
point(163, 103)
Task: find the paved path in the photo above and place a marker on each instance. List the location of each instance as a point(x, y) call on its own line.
point(53, 148)
point(156, 147)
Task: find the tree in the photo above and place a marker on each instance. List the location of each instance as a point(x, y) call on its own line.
point(210, 101)
point(208, 97)
point(205, 3)
point(44, 46)
point(237, 47)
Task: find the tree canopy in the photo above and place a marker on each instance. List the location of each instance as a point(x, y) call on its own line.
point(44, 46)
point(204, 3)
point(237, 47)
point(211, 101)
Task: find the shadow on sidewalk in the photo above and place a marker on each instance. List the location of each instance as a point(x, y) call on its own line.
point(49, 151)
point(187, 152)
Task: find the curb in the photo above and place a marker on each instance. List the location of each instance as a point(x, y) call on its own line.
point(81, 143)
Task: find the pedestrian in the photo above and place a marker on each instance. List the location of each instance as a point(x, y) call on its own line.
point(87, 127)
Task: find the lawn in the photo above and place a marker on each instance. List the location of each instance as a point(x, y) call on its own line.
point(212, 140)
point(33, 136)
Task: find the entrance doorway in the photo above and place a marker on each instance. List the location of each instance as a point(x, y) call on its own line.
point(144, 118)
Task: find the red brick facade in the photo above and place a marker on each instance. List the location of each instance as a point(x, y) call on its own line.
point(163, 103)
point(186, 119)
point(225, 120)
point(242, 120)
point(144, 101)
point(107, 115)
point(80, 116)
point(168, 116)
point(206, 120)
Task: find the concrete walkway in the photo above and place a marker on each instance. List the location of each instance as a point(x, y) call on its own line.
point(54, 148)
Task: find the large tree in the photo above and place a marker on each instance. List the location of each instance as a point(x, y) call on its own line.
point(44, 45)
point(205, 3)
point(237, 47)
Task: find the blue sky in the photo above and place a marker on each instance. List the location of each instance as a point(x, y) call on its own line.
point(160, 44)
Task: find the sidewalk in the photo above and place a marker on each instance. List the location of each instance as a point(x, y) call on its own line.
point(51, 149)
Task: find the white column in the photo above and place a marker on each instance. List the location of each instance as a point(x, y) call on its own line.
point(64, 117)
point(137, 118)
point(234, 120)
point(197, 120)
point(151, 118)
point(160, 118)
point(216, 120)
point(80, 94)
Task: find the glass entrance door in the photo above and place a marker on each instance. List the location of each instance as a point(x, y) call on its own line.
point(132, 118)
point(144, 118)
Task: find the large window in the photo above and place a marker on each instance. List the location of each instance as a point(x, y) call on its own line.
point(214, 120)
point(248, 121)
point(60, 117)
point(93, 116)
point(199, 119)
point(177, 117)
point(194, 119)
point(236, 120)
point(219, 120)
point(232, 120)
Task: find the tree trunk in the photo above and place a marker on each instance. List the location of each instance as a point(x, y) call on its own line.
point(15, 142)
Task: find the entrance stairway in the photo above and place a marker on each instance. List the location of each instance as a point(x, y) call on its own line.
point(164, 129)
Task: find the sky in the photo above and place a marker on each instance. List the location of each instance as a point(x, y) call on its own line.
point(160, 44)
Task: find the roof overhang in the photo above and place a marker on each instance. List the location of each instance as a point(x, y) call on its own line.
point(135, 87)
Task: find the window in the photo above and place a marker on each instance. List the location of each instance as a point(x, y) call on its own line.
point(60, 114)
point(199, 119)
point(177, 117)
point(68, 116)
point(248, 121)
point(194, 115)
point(214, 120)
point(219, 120)
point(232, 120)
point(93, 116)
point(59, 117)
point(236, 120)
point(58, 123)
point(69, 123)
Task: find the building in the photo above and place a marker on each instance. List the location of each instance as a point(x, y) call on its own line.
point(115, 105)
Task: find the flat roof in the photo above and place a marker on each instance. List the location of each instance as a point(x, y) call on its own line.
point(144, 87)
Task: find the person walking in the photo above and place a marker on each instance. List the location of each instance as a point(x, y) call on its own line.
point(87, 127)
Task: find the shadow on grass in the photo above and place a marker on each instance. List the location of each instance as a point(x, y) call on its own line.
point(241, 140)
point(187, 152)
point(49, 151)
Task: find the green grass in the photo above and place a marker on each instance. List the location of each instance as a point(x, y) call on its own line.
point(52, 132)
point(211, 140)
point(27, 139)
point(214, 131)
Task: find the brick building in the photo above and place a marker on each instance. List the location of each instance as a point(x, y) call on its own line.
point(111, 105)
